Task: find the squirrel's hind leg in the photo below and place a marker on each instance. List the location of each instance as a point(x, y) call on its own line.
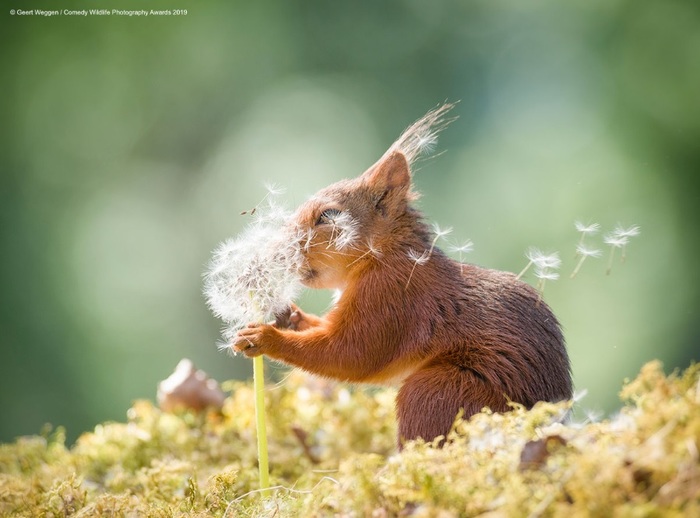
point(430, 399)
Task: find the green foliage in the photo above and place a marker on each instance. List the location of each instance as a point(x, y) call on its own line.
point(332, 452)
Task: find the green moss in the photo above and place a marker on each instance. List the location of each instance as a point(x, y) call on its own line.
point(332, 453)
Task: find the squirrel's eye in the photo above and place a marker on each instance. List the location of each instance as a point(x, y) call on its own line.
point(327, 216)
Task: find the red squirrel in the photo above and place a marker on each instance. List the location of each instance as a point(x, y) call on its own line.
point(455, 337)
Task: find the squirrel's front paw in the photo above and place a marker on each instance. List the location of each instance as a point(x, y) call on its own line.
point(255, 339)
point(292, 318)
point(295, 319)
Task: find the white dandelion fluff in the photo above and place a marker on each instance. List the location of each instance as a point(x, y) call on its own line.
point(540, 260)
point(255, 276)
point(465, 248)
point(345, 231)
point(632, 231)
point(546, 274)
point(591, 229)
point(585, 230)
point(583, 252)
point(588, 252)
point(273, 189)
point(545, 266)
point(423, 257)
point(373, 248)
point(615, 240)
point(418, 257)
point(544, 270)
point(548, 261)
point(619, 238)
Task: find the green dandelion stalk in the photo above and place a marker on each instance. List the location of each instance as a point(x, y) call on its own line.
point(252, 278)
point(260, 424)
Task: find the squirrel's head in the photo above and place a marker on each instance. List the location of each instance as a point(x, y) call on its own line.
point(347, 221)
point(351, 222)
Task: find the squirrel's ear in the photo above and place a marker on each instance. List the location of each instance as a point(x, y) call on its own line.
point(391, 172)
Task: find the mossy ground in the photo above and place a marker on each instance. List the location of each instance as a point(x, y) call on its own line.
point(332, 453)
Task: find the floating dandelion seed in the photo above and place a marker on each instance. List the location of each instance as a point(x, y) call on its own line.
point(439, 232)
point(591, 229)
point(426, 143)
point(272, 190)
point(619, 238)
point(632, 231)
point(583, 252)
point(423, 257)
point(549, 261)
point(418, 257)
point(586, 230)
point(372, 249)
point(544, 264)
point(344, 231)
point(532, 254)
point(629, 232)
point(614, 241)
point(465, 248)
point(545, 275)
point(540, 260)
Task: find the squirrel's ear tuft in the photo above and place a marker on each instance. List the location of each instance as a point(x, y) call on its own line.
point(390, 172)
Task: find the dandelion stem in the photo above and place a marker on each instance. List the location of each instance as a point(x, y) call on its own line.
point(425, 257)
point(259, 385)
point(524, 270)
point(610, 261)
point(579, 264)
point(540, 287)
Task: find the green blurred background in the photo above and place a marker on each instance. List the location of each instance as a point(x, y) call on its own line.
point(130, 146)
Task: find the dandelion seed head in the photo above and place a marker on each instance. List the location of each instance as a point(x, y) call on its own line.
point(591, 229)
point(584, 251)
point(255, 275)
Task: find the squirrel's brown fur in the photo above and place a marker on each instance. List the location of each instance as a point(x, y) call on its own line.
point(454, 336)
